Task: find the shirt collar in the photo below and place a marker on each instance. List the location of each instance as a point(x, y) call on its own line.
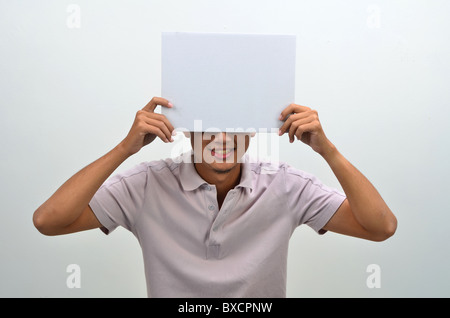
point(191, 180)
point(246, 174)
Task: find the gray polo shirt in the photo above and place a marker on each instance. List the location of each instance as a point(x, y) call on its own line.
point(193, 249)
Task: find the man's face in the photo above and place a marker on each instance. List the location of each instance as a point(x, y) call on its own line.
point(219, 152)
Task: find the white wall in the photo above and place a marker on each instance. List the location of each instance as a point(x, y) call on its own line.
point(377, 72)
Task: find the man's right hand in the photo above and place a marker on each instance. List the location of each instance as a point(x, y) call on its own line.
point(68, 210)
point(147, 125)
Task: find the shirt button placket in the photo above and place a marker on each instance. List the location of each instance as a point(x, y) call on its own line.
point(211, 207)
point(212, 246)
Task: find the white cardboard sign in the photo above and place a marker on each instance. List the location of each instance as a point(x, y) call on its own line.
point(223, 82)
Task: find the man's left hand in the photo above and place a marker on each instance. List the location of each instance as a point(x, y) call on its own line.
point(303, 122)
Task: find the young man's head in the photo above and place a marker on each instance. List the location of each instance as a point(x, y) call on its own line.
point(219, 153)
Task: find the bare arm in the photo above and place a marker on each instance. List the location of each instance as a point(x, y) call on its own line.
point(364, 213)
point(67, 210)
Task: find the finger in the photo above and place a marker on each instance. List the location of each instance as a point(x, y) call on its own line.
point(158, 132)
point(144, 128)
point(162, 118)
point(158, 120)
point(306, 128)
point(161, 125)
point(291, 109)
point(299, 125)
point(155, 101)
point(287, 124)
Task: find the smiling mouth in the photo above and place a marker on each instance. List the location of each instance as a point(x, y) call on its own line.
point(222, 153)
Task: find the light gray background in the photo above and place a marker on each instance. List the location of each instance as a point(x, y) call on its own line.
point(377, 72)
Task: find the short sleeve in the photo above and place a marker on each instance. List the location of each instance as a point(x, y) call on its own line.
point(312, 202)
point(120, 198)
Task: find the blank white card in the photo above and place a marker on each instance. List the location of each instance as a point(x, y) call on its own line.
point(227, 82)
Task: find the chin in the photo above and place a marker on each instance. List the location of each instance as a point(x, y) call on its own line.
point(220, 164)
point(223, 168)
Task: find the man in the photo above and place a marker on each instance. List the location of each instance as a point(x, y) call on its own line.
point(216, 225)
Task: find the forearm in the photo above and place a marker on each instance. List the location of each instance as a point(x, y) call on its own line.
point(364, 214)
point(70, 200)
point(67, 210)
point(367, 205)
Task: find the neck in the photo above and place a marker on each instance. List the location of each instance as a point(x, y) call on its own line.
point(223, 180)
